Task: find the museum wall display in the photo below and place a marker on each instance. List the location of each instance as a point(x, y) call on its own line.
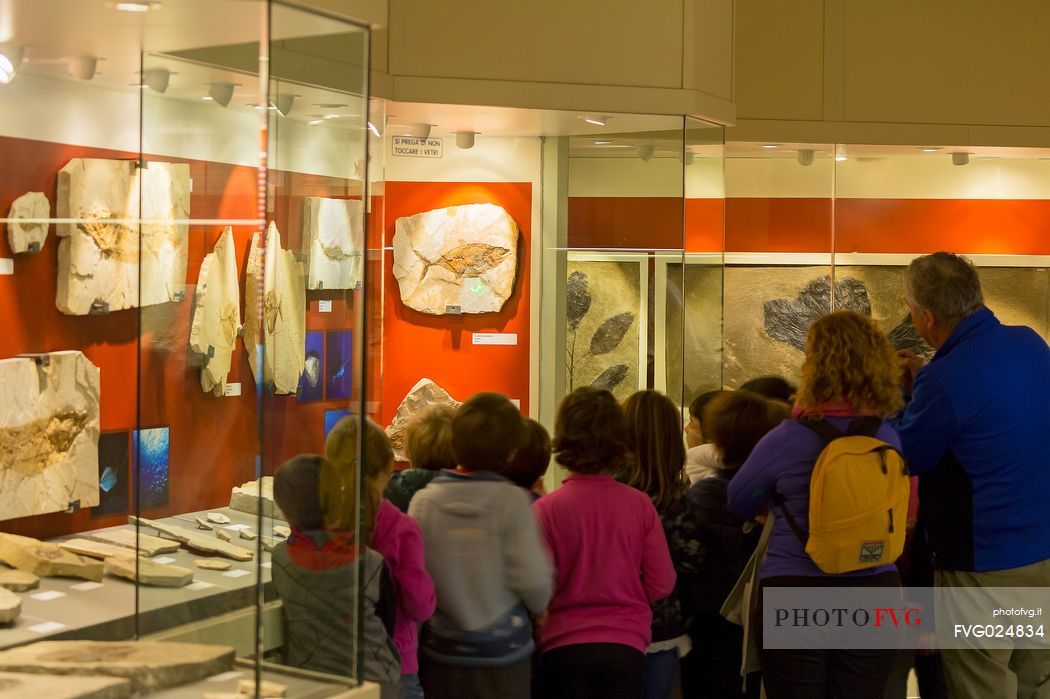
point(217, 314)
point(424, 394)
point(333, 242)
point(26, 232)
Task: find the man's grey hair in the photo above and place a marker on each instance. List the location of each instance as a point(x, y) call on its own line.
point(946, 285)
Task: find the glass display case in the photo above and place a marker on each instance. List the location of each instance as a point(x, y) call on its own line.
point(183, 275)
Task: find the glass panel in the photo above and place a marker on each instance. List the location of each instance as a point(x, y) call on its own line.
point(326, 576)
point(896, 202)
point(779, 238)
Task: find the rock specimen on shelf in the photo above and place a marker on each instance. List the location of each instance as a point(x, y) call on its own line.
point(10, 606)
point(249, 496)
point(150, 665)
point(196, 540)
point(267, 689)
point(247, 534)
point(147, 572)
point(224, 534)
point(25, 231)
point(217, 314)
point(269, 543)
point(145, 544)
point(212, 564)
point(95, 549)
point(46, 560)
point(203, 524)
point(120, 254)
point(48, 434)
point(463, 259)
point(423, 395)
point(282, 531)
point(282, 326)
point(218, 518)
point(18, 580)
point(17, 685)
point(333, 242)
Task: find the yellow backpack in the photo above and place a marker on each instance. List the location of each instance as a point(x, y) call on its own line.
point(858, 499)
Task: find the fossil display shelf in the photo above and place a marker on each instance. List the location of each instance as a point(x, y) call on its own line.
point(298, 687)
point(107, 612)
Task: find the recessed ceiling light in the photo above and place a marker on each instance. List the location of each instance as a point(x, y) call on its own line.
point(207, 98)
point(603, 143)
point(137, 6)
point(770, 145)
point(929, 149)
point(597, 121)
point(841, 156)
point(315, 122)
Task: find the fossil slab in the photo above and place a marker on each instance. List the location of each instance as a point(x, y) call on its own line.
point(267, 689)
point(121, 254)
point(25, 231)
point(10, 606)
point(282, 327)
point(203, 524)
point(693, 323)
point(46, 560)
point(224, 534)
point(212, 564)
point(218, 518)
point(148, 572)
point(282, 531)
point(49, 430)
point(249, 496)
point(333, 242)
point(217, 314)
point(247, 534)
point(461, 257)
point(196, 540)
point(95, 549)
point(423, 395)
point(145, 544)
point(18, 580)
point(17, 685)
point(149, 665)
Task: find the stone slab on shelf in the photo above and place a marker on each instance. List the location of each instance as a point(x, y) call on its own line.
point(196, 540)
point(28, 235)
point(49, 430)
point(20, 685)
point(10, 606)
point(218, 518)
point(253, 293)
point(95, 549)
point(217, 314)
point(267, 689)
point(212, 564)
point(149, 665)
point(18, 580)
point(248, 497)
point(129, 246)
point(145, 544)
point(147, 572)
point(460, 257)
point(46, 560)
point(423, 395)
point(333, 242)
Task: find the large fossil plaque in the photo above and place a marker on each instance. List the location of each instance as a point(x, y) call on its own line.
point(423, 395)
point(18, 685)
point(693, 325)
point(462, 259)
point(49, 431)
point(333, 241)
point(217, 315)
point(130, 220)
point(25, 230)
point(150, 665)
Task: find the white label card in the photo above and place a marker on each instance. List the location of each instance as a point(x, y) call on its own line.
point(495, 338)
point(237, 573)
point(324, 306)
point(267, 564)
point(48, 596)
point(226, 676)
point(237, 527)
point(47, 627)
point(7, 265)
point(199, 585)
point(232, 389)
point(163, 560)
point(86, 586)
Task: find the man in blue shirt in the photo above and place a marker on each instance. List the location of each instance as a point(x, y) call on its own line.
point(977, 433)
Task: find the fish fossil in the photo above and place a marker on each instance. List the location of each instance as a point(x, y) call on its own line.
point(467, 260)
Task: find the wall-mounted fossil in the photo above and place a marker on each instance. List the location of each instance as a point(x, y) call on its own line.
point(25, 230)
point(217, 314)
point(333, 242)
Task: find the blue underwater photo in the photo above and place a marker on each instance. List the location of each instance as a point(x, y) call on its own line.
point(331, 417)
point(338, 376)
point(151, 448)
point(112, 474)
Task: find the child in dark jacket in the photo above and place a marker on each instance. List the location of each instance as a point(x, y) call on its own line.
point(529, 465)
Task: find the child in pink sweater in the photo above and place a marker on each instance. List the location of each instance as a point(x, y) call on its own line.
point(395, 535)
point(610, 556)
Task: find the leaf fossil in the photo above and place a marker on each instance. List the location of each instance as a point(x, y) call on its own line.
point(610, 333)
point(611, 377)
point(577, 299)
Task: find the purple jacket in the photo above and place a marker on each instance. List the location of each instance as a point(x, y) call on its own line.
point(782, 462)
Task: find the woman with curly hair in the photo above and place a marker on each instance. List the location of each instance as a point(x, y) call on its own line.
point(850, 371)
point(610, 558)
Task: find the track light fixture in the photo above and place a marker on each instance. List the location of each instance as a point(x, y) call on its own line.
point(420, 130)
point(960, 158)
point(805, 157)
point(10, 61)
point(83, 67)
point(221, 93)
point(465, 139)
point(646, 153)
point(156, 79)
point(284, 103)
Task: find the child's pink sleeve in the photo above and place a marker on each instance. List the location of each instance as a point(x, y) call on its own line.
point(658, 576)
point(418, 599)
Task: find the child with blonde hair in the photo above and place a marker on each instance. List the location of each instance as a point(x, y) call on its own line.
point(389, 531)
